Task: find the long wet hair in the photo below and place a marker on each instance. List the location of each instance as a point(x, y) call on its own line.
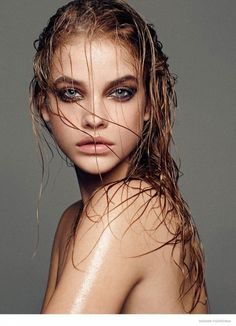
point(151, 160)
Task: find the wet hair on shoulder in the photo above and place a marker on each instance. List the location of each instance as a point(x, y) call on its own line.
point(152, 165)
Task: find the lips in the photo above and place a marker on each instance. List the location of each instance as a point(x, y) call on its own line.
point(94, 140)
point(94, 146)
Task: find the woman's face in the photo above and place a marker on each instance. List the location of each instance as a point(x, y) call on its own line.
point(100, 102)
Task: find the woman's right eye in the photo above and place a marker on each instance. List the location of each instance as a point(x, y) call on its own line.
point(69, 94)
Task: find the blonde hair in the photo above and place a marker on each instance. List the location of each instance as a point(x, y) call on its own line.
point(151, 160)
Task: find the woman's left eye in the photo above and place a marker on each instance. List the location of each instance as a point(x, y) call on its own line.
point(123, 93)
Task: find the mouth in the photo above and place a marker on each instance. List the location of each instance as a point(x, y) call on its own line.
point(96, 145)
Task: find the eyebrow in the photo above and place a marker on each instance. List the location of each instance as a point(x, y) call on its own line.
point(110, 84)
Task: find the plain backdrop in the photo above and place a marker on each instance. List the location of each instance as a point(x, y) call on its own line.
point(199, 38)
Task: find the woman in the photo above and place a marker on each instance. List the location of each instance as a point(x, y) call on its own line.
point(103, 90)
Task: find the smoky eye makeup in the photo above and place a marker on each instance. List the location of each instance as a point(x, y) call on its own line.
point(68, 94)
point(71, 94)
point(122, 93)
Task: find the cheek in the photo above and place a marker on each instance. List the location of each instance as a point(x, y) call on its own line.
point(62, 117)
point(131, 117)
point(61, 132)
point(130, 130)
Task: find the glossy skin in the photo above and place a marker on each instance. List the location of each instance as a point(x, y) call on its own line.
point(108, 279)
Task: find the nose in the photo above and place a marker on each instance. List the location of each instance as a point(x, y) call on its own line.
point(95, 118)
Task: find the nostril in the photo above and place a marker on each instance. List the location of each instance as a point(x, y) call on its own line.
point(94, 121)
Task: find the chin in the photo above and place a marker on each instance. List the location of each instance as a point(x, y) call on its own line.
point(115, 171)
point(94, 169)
point(107, 166)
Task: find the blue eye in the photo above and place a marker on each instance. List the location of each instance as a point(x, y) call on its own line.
point(123, 93)
point(69, 94)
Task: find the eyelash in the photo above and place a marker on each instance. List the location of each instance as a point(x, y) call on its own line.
point(129, 91)
point(61, 93)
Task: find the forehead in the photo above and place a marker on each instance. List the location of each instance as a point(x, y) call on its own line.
point(98, 59)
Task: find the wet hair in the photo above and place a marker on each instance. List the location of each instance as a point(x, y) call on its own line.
point(151, 160)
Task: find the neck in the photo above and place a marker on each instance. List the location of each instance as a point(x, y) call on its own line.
point(89, 183)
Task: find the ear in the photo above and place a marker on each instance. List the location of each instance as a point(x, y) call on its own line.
point(146, 116)
point(44, 109)
point(44, 113)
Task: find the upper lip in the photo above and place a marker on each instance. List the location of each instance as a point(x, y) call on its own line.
point(94, 140)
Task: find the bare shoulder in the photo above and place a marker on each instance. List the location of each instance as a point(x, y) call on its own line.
point(116, 240)
point(134, 214)
point(147, 229)
point(100, 251)
point(70, 213)
point(65, 231)
point(68, 218)
point(58, 249)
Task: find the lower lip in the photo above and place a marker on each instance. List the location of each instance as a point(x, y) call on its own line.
point(95, 149)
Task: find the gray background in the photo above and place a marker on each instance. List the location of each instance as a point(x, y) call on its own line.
point(199, 38)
